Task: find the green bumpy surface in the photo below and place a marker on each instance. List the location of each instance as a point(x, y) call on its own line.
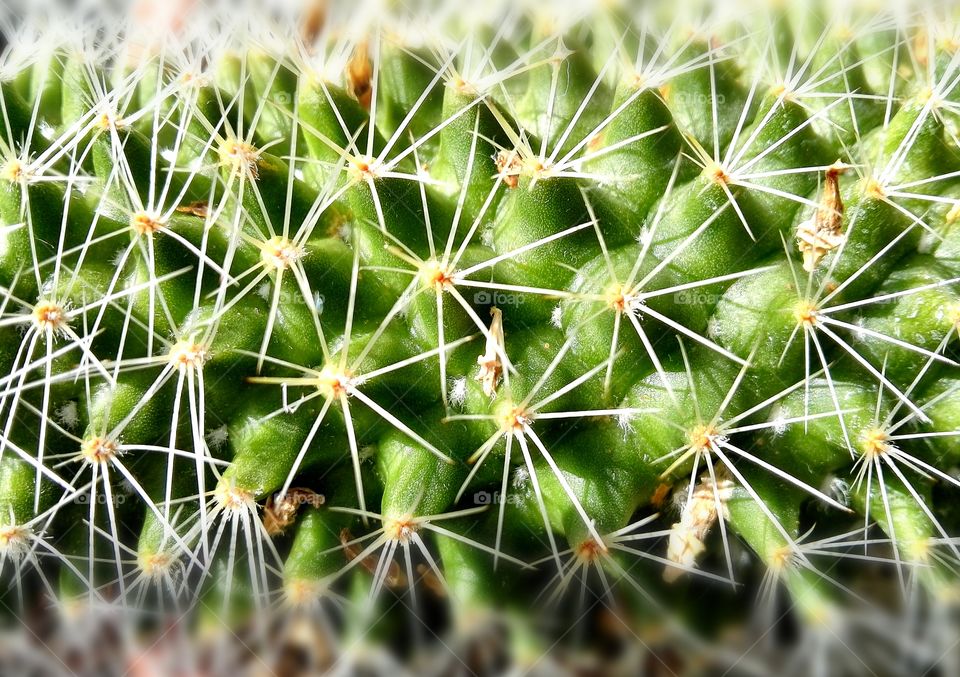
point(309, 318)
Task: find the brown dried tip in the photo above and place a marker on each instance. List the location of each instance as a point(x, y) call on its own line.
point(490, 365)
point(199, 208)
point(697, 518)
point(280, 514)
point(509, 165)
point(822, 234)
point(660, 495)
point(394, 578)
point(360, 75)
point(314, 18)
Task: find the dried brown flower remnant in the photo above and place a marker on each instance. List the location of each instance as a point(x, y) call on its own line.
point(698, 516)
point(490, 366)
point(199, 208)
point(360, 74)
point(509, 165)
point(314, 18)
point(281, 513)
point(394, 577)
point(822, 234)
point(660, 495)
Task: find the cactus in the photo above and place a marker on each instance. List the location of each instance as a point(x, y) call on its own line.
point(529, 319)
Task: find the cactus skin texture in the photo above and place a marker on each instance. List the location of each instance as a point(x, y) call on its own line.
point(481, 338)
